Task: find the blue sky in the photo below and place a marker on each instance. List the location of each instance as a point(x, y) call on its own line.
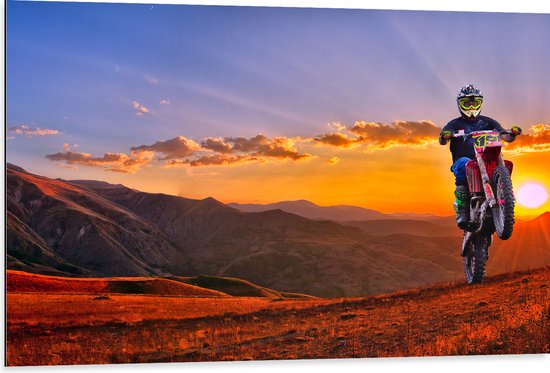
point(86, 70)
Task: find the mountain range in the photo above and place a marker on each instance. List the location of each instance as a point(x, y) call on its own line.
point(339, 213)
point(84, 228)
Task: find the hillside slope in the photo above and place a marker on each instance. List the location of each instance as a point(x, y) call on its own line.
point(286, 252)
point(388, 227)
point(338, 213)
point(92, 228)
point(237, 287)
point(79, 227)
point(23, 282)
point(509, 314)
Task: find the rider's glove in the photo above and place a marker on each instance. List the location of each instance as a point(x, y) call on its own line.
point(444, 136)
point(516, 130)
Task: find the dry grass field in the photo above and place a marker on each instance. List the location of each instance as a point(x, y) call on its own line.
point(509, 314)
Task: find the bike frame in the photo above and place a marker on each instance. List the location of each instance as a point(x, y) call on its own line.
point(487, 147)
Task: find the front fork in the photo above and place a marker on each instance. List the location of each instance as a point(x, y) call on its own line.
point(489, 195)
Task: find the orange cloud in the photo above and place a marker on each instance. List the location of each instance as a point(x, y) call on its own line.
point(23, 129)
point(257, 146)
point(536, 141)
point(376, 135)
point(278, 147)
point(334, 160)
point(338, 139)
point(217, 144)
point(215, 160)
point(380, 136)
point(184, 151)
point(178, 147)
point(116, 162)
point(260, 148)
point(67, 147)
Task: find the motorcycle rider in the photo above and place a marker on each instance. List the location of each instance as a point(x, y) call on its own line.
point(469, 100)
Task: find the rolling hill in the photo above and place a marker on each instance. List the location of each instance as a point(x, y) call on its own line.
point(388, 227)
point(200, 286)
point(509, 314)
point(23, 282)
point(237, 287)
point(95, 229)
point(338, 213)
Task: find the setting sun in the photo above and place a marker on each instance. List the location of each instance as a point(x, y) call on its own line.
point(532, 195)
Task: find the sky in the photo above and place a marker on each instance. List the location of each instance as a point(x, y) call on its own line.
point(258, 105)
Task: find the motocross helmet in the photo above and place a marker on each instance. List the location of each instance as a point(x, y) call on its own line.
point(469, 101)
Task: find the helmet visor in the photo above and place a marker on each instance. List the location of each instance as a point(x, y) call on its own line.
point(472, 102)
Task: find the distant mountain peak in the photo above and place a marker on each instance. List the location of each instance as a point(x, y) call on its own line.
point(93, 227)
point(11, 166)
point(211, 201)
point(94, 183)
point(311, 210)
point(303, 202)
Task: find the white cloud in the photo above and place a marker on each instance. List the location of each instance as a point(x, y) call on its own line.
point(141, 109)
point(336, 126)
point(24, 129)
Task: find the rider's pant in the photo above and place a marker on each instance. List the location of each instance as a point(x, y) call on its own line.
point(459, 169)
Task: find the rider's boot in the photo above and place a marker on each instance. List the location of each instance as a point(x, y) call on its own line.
point(461, 206)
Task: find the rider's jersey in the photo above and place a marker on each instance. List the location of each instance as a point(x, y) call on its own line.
point(461, 147)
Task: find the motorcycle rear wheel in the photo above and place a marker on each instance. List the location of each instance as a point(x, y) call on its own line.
point(503, 211)
point(475, 260)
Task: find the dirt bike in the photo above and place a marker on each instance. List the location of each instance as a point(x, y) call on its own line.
point(492, 201)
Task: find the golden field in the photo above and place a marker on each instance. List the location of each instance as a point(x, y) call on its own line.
point(509, 314)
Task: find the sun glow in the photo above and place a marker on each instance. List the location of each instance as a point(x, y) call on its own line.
point(532, 195)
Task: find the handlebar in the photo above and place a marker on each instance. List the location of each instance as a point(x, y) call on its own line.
point(461, 133)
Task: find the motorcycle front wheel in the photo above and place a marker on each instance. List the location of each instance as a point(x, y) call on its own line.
point(503, 211)
point(475, 259)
